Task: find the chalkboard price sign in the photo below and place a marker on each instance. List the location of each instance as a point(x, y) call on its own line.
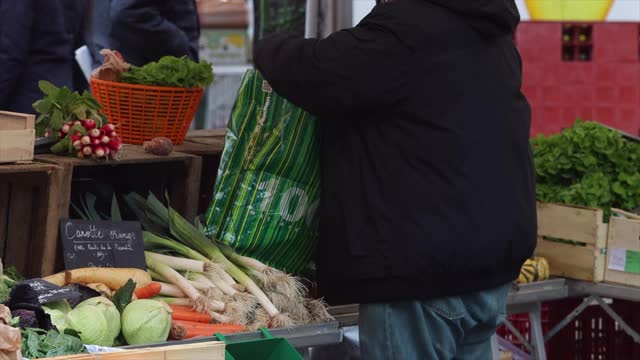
point(102, 244)
point(48, 292)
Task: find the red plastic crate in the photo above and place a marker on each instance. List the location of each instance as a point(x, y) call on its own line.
point(593, 335)
point(523, 325)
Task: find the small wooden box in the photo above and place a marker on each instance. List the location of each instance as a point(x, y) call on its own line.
point(584, 260)
point(17, 137)
point(624, 234)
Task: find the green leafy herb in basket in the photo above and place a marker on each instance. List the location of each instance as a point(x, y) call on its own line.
point(171, 71)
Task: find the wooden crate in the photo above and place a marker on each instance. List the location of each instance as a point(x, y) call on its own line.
point(209, 145)
point(624, 234)
point(178, 174)
point(29, 203)
point(583, 261)
point(17, 137)
point(212, 350)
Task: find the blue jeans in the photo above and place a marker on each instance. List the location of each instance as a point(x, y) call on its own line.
point(454, 328)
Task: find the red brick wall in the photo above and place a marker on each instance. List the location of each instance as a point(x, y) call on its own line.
point(605, 89)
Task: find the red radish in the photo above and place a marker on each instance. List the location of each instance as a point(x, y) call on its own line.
point(75, 137)
point(77, 145)
point(90, 124)
point(94, 133)
point(47, 133)
point(105, 139)
point(113, 134)
point(99, 151)
point(80, 155)
point(61, 134)
point(66, 128)
point(86, 140)
point(95, 142)
point(106, 150)
point(87, 150)
point(108, 128)
point(115, 144)
point(77, 122)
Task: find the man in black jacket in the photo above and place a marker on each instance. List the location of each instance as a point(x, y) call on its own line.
point(146, 30)
point(38, 39)
point(428, 190)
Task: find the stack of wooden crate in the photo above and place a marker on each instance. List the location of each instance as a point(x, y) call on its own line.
point(578, 244)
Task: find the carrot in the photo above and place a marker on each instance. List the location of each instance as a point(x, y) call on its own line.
point(148, 291)
point(114, 278)
point(188, 314)
point(186, 329)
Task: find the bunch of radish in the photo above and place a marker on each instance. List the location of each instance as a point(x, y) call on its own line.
point(89, 140)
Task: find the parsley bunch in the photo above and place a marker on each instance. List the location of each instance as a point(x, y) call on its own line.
point(589, 165)
point(171, 71)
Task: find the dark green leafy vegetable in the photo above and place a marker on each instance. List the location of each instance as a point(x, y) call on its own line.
point(37, 343)
point(171, 71)
point(589, 165)
point(60, 106)
point(123, 296)
point(13, 273)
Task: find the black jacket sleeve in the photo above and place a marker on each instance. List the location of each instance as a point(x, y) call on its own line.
point(15, 37)
point(352, 70)
point(133, 20)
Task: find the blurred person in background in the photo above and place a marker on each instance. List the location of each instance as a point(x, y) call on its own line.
point(38, 39)
point(146, 30)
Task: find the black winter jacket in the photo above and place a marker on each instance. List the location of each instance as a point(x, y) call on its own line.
point(428, 185)
point(38, 39)
point(145, 30)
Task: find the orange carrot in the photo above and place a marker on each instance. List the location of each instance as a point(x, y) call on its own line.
point(148, 291)
point(187, 329)
point(188, 314)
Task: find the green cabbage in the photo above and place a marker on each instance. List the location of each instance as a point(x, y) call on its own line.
point(146, 322)
point(58, 311)
point(97, 320)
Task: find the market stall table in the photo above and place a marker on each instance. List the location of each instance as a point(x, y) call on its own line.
point(301, 337)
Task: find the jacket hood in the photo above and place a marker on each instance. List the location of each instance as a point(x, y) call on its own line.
point(489, 17)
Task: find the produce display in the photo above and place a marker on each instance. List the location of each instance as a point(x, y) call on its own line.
point(589, 165)
point(193, 287)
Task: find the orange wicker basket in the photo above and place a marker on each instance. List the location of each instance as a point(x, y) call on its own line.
point(142, 112)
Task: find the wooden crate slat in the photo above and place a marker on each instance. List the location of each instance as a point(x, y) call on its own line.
point(575, 262)
point(212, 350)
point(624, 234)
point(572, 223)
point(29, 199)
point(16, 121)
point(16, 145)
point(4, 215)
point(20, 227)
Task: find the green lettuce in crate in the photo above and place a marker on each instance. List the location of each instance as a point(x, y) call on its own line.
point(589, 165)
point(267, 192)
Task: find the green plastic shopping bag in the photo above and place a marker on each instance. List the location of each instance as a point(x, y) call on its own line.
point(267, 191)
